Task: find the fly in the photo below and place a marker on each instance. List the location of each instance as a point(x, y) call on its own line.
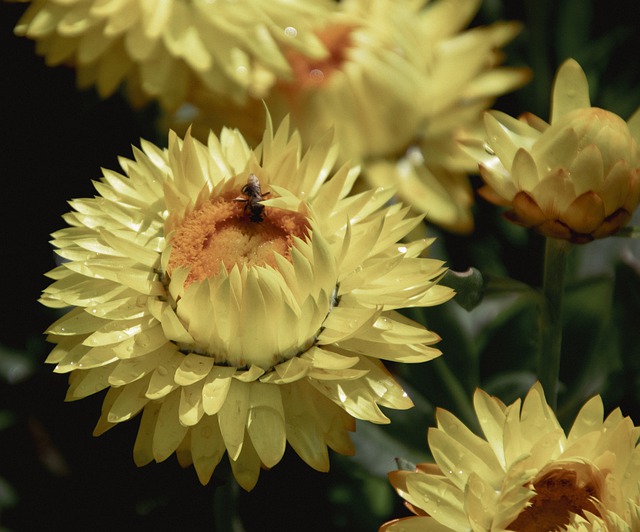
point(254, 196)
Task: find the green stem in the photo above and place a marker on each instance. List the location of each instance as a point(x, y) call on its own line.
point(556, 252)
point(464, 406)
point(226, 507)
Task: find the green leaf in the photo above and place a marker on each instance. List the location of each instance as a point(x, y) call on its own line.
point(629, 232)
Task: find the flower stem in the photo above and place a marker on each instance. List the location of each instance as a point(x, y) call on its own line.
point(226, 507)
point(556, 252)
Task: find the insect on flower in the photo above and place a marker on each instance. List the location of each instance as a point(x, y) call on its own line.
point(254, 196)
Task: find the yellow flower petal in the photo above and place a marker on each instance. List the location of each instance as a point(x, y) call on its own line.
point(130, 401)
point(440, 500)
point(193, 369)
point(162, 380)
point(85, 383)
point(127, 371)
point(168, 434)
point(143, 447)
point(246, 468)
point(191, 407)
point(570, 90)
point(207, 447)
point(266, 424)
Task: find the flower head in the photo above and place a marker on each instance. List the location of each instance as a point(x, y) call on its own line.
point(527, 475)
point(240, 299)
point(400, 81)
point(576, 179)
point(162, 49)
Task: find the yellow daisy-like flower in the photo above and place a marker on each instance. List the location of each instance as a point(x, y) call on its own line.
point(239, 299)
point(576, 179)
point(401, 81)
point(163, 47)
point(527, 475)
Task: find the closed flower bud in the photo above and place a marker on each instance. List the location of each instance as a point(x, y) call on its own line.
point(576, 179)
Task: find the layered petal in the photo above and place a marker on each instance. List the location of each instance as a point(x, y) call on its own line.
point(162, 49)
point(399, 76)
point(526, 474)
point(576, 179)
point(239, 299)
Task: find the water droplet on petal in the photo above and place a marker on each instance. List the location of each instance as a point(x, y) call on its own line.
point(316, 75)
point(384, 324)
point(290, 31)
point(415, 156)
point(142, 340)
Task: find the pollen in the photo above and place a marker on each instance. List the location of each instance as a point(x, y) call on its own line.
point(220, 233)
point(559, 493)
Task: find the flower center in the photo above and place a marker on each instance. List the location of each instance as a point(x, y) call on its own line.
point(227, 231)
point(559, 493)
point(308, 72)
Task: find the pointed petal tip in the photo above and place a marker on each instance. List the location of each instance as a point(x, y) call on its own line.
point(570, 90)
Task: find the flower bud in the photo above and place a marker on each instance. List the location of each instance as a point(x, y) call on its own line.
point(576, 179)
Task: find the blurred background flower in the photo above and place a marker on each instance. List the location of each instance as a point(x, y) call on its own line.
point(161, 49)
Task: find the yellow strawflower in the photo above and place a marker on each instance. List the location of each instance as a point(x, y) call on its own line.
point(240, 300)
point(162, 48)
point(526, 475)
point(576, 179)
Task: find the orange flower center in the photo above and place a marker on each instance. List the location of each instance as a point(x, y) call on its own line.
point(309, 72)
point(224, 232)
point(559, 493)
